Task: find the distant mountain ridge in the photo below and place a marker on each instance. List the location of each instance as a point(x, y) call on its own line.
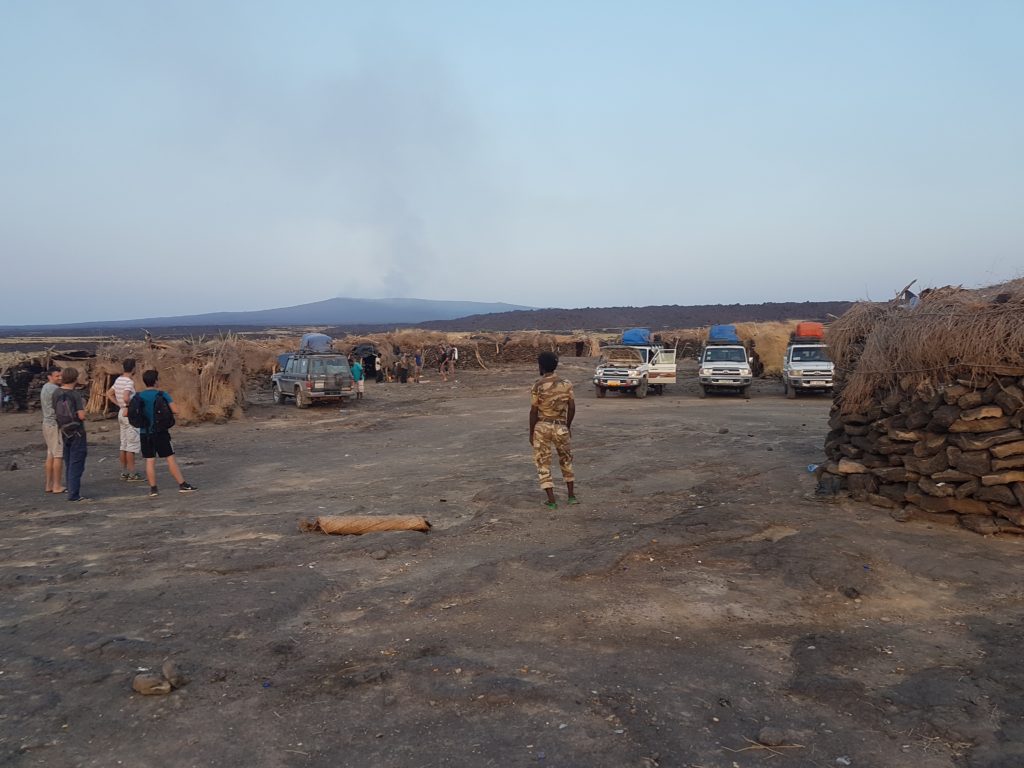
point(330, 312)
point(654, 317)
point(341, 316)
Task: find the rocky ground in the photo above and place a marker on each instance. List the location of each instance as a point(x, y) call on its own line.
point(700, 608)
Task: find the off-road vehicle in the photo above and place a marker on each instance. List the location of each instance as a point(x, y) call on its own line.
point(312, 376)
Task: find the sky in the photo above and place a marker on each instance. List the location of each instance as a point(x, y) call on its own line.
point(170, 158)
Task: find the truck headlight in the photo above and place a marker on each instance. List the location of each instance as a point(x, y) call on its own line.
point(744, 371)
point(795, 372)
point(705, 371)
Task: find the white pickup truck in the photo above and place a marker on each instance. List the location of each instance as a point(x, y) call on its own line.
point(807, 368)
point(724, 367)
point(636, 369)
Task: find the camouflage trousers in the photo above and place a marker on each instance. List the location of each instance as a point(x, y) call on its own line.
point(546, 435)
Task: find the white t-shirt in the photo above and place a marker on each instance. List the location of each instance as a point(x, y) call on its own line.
point(124, 388)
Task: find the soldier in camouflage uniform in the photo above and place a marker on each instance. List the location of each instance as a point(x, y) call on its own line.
point(552, 408)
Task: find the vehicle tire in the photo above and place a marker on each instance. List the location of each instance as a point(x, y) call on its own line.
point(641, 389)
point(278, 395)
point(659, 389)
point(745, 391)
point(790, 391)
point(300, 399)
point(600, 391)
point(703, 391)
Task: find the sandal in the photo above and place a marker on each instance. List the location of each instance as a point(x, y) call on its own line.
point(551, 504)
point(573, 500)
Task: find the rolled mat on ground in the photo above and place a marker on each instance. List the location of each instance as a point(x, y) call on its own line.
point(359, 524)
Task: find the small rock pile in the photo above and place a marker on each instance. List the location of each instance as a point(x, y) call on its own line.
point(950, 453)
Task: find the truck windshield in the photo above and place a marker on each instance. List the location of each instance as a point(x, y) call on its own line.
point(725, 355)
point(622, 356)
point(810, 355)
point(329, 366)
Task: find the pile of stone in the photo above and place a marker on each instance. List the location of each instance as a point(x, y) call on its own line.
point(928, 416)
point(950, 453)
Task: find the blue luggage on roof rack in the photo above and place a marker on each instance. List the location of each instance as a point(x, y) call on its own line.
point(637, 337)
point(723, 334)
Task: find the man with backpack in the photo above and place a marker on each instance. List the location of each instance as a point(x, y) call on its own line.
point(69, 413)
point(152, 410)
point(120, 394)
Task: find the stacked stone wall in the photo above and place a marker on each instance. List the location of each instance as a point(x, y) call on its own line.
point(941, 452)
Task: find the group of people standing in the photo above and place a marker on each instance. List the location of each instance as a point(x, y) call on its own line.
point(63, 408)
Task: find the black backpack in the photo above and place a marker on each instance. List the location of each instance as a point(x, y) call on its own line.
point(163, 416)
point(66, 414)
point(137, 413)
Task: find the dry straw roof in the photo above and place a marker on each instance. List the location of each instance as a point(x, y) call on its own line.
point(949, 333)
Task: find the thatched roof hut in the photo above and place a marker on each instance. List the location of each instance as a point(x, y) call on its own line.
point(206, 377)
point(945, 334)
point(928, 420)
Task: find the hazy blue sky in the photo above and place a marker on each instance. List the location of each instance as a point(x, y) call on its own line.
point(164, 158)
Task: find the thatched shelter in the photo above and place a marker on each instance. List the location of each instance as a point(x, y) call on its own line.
point(206, 377)
point(929, 406)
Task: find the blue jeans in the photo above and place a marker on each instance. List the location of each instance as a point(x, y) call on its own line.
point(75, 449)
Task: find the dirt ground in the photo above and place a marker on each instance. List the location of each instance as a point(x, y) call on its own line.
point(696, 597)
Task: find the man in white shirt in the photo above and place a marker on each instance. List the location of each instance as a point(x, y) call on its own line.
point(120, 394)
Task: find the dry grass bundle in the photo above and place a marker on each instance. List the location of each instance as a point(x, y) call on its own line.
point(769, 340)
point(206, 377)
point(846, 336)
point(951, 333)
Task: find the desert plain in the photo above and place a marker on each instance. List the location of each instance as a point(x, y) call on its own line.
point(700, 608)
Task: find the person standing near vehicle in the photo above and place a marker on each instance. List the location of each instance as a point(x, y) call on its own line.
point(120, 394)
point(552, 408)
point(418, 362)
point(156, 437)
point(51, 433)
point(359, 377)
point(69, 411)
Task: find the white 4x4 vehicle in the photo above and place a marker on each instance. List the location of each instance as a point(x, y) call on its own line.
point(724, 366)
point(636, 369)
point(807, 368)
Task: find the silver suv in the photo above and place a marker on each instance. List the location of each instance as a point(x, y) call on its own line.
point(308, 377)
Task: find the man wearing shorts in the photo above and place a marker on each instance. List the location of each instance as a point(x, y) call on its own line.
point(51, 434)
point(120, 394)
point(158, 442)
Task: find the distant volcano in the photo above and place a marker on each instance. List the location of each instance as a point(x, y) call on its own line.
point(331, 312)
